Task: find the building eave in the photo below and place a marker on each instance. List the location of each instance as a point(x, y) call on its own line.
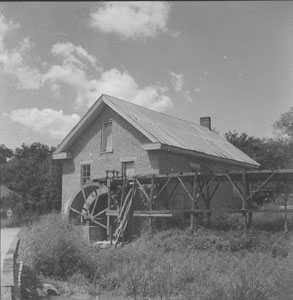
point(62, 155)
point(163, 147)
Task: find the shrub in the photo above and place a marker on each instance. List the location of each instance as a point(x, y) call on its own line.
point(53, 247)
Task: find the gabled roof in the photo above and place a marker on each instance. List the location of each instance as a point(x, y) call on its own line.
point(162, 129)
point(5, 192)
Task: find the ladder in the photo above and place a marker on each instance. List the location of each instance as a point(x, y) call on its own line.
point(124, 213)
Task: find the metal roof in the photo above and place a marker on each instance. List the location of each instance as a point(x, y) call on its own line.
point(167, 130)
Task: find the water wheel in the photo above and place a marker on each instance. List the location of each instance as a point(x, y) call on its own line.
point(89, 206)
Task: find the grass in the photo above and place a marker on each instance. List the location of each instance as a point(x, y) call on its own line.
point(205, 264)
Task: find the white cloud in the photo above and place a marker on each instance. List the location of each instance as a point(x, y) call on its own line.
point(13, 61)
point(177, 80)
point(56, 90)
point(136, 20)
point(46, 121)
point(75, 62)
point(75, 55)
point(188, 97)
point(122, 85)
point(113, 82)
point(6, 26)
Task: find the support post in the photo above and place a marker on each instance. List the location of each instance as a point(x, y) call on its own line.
point(193, 200)
point(109, 207)
point(208, 207)
point(244, 184)
point(151, 200)
point(285, 216)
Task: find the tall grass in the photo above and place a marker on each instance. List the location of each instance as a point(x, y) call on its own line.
point(205, 264)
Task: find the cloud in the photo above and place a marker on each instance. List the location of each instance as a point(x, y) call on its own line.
point(6, 26)
point(56, 90)
point(177, 80)
point(13, 61)
point(74, 55)
point(46, 121)
point(122, 85)
point(134, 20)
point(188, 97)
point(73, 72)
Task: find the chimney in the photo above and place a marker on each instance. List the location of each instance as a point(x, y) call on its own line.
point(206, 122)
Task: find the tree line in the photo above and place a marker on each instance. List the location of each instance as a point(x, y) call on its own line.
point(31, 172)
point(34, 176)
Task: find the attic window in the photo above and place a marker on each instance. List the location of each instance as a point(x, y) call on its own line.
point(107, 145)
point(194, 167)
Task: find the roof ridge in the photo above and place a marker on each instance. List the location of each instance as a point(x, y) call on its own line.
point(158, 112)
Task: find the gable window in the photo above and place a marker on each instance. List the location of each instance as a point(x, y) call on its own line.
point(85, 173)
point(107, 144)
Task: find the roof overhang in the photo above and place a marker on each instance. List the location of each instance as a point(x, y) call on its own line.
point(62, 155)
point(159, 146)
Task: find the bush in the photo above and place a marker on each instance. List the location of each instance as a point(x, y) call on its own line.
point(204, 264)
point(53, 247)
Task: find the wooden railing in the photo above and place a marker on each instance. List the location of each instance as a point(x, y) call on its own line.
point(11, 274)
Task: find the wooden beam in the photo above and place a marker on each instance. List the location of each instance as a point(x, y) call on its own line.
point(285, 215)
point(185, 188)
point(165, 184)
point(143, 190)
point(194, 187)
point(236, 188)
point(244, 204)
point(261, 186)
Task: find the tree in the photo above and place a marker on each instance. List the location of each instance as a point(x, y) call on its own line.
point(284, 125)
point(250, 145)
point(35, 176)
point(5, 154)
point(269, 153)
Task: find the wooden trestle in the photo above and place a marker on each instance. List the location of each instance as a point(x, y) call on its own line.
point(201, 186)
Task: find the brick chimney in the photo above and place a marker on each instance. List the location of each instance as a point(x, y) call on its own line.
point(206, 122)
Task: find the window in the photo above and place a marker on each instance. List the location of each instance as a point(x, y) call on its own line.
point(106, 137)
point(85, 174)
point(194, 168)
point(128, 168)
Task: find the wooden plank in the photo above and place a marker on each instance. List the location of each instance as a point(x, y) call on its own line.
point(193, 200)
point(110, 212)
point(185, 188)
point(286, 215)
point(151, 214)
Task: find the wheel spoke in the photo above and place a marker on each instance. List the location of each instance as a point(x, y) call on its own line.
point(84, 197)
point(100, 224)
point(76, 211)
point(100, 213)
point(96, 200)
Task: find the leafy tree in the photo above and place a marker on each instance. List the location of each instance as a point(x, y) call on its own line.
point(269, 153)
point(285, 124)
point(5, 154)
point(35, 176)
point(250, 145)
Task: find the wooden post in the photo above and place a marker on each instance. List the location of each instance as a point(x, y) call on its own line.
point(208, 207)
point(285, 216)
point(151, 200)
point(250, 214)
point(244, 206)
point(193, 200)
point(109, 207)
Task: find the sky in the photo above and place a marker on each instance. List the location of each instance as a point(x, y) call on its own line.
point(232, 61)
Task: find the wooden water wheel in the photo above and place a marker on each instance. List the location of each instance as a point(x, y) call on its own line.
point(89, 205)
